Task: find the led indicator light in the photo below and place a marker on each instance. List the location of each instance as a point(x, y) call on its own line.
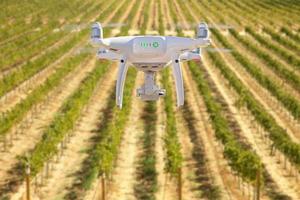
point(155, 44)
point(149, 44)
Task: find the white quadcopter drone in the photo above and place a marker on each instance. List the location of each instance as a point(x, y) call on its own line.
point(150, 54)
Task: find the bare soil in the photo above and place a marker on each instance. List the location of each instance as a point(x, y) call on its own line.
point(65, 171)
point(135, 21)
point(166, 186)
point(32, 135)
point(21, 91)
point(275, 108)
point(124, 174)
point(218, 166)
point(286, 184)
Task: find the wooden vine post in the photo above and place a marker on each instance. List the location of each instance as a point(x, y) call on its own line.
point(5, 143)
point(103, 186)
point(258, 184)
point(179, 184)
point(27, 173)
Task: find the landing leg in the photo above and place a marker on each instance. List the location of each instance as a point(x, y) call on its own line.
point(177, 73)
point(123, 67)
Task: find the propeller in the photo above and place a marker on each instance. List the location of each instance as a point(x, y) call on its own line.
point(217, 50)
point(81, 26)
point(86, 49)
point(211, 26)
point(220, 26)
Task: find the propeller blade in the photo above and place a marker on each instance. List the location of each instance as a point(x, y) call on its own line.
point(114, 25)
point(211, 26)
point(218, 50)
point(81, 26)
point(220, 26)
point(86, 50)
point(74, 27)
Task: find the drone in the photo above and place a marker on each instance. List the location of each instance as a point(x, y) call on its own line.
point(150, 54)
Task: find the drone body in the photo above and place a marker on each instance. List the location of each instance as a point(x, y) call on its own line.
point(149, 54)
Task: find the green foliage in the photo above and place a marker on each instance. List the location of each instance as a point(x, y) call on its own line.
point(132, 14)
point(161, 28)
point(172, 144)
point(290, 58)
point(146, 174)
point(174, 16)
point(39, 37)
point(102, 156)
point(277, 134)
point(281, 40)
point(287, 74)
point(288, 101)
point(246, 163)
point(209, 189)
point(10, 118)
point(173, 156)
point(10, 81)
point(64, 120)
point(185, 10)
point(290, 34)
point(147, 9)
point(15, 15)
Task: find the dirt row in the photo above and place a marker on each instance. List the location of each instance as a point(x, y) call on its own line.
point(151, 15)
point(197, 137)
point(235, 108)
point(281, 177)
point(126, 165)
point(44, 51)
point(125, 174)
point(21, 91)
point(85, 67)
point(266, 70)
point(65, 171)
point(281, 115)
point(258, 92)
point(270, 103)
point(90, 122)
point(217, 164)
point(135, 21)
point(44, 116)
point(169, 23)
point(273, 76)
point(40, 120)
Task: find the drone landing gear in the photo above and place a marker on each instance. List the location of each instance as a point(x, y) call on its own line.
point(123, 67)
point(177, 74)
point(149, 91)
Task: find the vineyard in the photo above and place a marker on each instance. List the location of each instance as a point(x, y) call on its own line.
point(237, 137)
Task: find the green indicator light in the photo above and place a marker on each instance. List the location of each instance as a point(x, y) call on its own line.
point(148, 44)
point(155, 44)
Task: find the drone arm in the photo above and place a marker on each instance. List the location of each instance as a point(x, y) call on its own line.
point(123, 67)
point(100, 42)
point(190, 55)
point(200, 42)
point(109, 55)
point(177, 74)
